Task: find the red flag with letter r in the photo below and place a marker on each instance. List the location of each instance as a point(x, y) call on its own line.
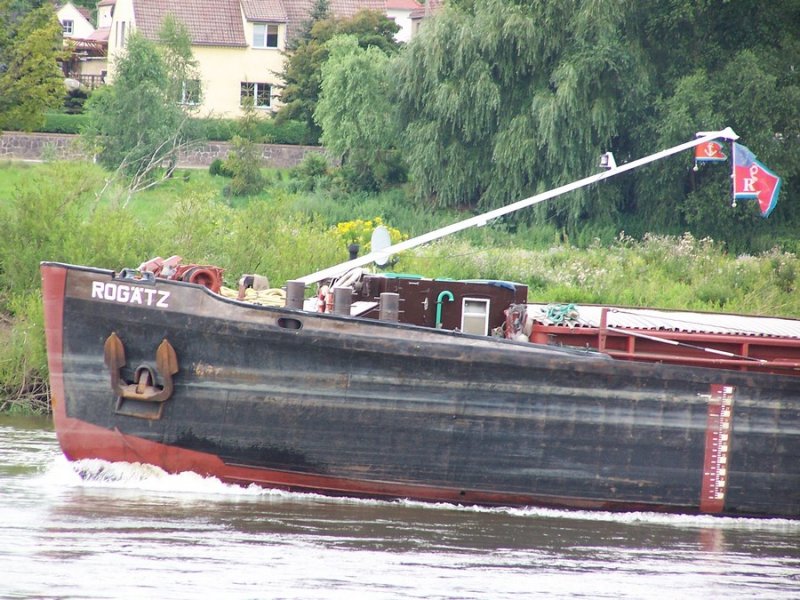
point(752, 180)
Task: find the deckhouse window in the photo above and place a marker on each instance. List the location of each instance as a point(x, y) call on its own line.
point(68, 26)
point(475, 316)
point(260, 94)
point(265, 35)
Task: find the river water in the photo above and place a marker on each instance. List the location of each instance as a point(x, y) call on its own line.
point(98, 530)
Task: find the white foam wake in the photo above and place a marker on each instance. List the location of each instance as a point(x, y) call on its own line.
point(96, 473)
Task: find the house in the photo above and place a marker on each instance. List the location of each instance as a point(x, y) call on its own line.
point(87, 62)
point(75, 21)
point(238, 44)
point(400, 12)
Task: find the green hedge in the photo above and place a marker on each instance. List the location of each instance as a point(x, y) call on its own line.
point(63, 123)
point(268, 131)
point(287, 132)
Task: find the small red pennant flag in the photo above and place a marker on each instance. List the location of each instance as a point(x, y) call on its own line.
point(709, 152)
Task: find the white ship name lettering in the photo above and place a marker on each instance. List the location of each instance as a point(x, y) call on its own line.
point(129, 294)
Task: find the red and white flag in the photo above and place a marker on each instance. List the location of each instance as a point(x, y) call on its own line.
point(753, 181)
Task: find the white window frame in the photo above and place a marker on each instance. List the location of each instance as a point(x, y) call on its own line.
point(257, 91)
point(474, 310)
point(68, 26)
point(191, 95)
point(263, 33)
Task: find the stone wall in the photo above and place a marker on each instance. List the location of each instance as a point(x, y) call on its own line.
point(48, 146)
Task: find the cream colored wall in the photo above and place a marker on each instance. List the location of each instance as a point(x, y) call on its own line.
point(104, 16)
point(93, 66)
point(222, 70)
point(403, 19)
point(123, 13)
point(81, 28)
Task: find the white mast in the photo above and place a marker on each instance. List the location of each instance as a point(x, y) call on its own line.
point(482, 219)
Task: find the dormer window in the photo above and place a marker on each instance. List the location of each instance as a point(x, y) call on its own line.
point(265, 35)
point(68, 26)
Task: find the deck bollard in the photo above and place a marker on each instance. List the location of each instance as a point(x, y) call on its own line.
point(295, 294)
point(342, 300)
point(390, 307)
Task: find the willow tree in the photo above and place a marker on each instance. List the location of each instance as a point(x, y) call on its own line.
point(504, 98)
point(302, 71)
point(359, 122)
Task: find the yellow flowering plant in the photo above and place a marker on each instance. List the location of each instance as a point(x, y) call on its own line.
point(359, 231)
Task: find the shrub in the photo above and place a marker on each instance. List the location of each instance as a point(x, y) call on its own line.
point(288, 132)
point(265, 130)
point(312, 173)
point(64, 123)
point(217, 167)
point(217, 130)
point(74, 101)
point(244, 164)
point(23, 360)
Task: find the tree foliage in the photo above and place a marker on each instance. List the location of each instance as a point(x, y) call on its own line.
point(302, 71)
point(243, 161)
point(355, 111)
point(727, 64)
point(507, 98)
point(180, 64)
point(135, 124)
point(30, 79)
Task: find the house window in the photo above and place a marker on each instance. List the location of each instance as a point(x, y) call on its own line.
point(265, 35)
point(119, 34)
point(190, 92)
point(260, 94)
point(68, 27)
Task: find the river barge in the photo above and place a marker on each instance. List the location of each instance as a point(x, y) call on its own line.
point(444, 391)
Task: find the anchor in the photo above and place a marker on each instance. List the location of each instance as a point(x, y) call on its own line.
point(142, 397)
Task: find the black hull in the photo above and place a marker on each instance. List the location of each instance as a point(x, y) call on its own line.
point(360, 407)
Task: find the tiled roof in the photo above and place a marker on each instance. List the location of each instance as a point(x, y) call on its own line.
point(100, 35)
point(210, 22)
point(347, 8)
point(107, 3)
point(403, 5)
point(299, 11)
point(431, 7)
point(264, 10)
point(219, 22)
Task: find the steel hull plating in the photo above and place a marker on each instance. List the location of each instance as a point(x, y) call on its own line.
point(359, 407)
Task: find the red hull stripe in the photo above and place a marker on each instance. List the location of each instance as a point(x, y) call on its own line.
point(54, 280)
